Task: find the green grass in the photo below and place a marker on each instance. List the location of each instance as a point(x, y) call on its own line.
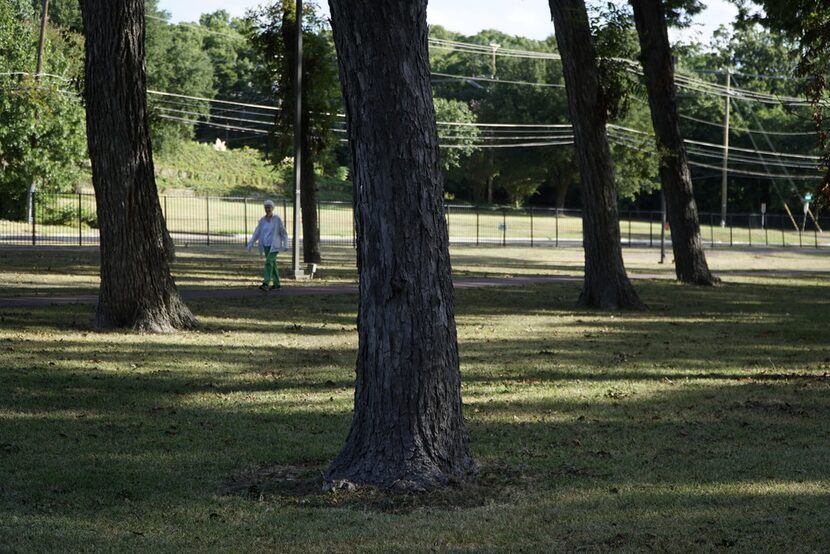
point(699, 425)
point(199, 168)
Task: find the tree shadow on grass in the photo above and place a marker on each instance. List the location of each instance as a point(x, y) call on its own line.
point(593, 454)
point(77, 445)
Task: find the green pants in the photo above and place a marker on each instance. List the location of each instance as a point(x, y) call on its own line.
point(270, 272)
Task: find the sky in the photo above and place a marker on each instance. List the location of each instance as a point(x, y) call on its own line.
point(530, 18)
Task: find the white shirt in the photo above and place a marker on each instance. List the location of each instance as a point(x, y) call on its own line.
point(269, 233)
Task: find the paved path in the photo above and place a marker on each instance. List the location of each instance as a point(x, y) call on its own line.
point(310, 290)
point(286, 290)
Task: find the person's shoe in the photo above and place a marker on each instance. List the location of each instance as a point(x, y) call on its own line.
point(274, 287)
point(263, 287)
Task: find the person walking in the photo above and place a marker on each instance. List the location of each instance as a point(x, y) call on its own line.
point(272, 237)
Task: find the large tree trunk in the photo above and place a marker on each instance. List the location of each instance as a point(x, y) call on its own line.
point(136, 290)
point(606, 285)
point(308, 187)
point(681, 210)
point(407, 431)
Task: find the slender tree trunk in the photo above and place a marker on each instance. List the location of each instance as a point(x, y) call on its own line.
point(137, 290)
point(681, 210)
point(308, 187)
point(408, 431)
point(308, 201)
point(606, 285)
point(561, 194)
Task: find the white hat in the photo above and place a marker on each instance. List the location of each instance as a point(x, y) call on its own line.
point(268, 204)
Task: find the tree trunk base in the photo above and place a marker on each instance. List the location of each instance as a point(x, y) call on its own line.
point(176, 317)
point(700, 279)
point(622, 298)
point(412, 477)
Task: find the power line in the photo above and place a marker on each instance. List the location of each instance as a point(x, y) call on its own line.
point(499, 81)
point(218, 125)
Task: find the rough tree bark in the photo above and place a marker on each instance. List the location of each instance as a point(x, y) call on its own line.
point(308, 184)
point(407, 431)
point(681, 210)
point(606, 285)
point(137, 290)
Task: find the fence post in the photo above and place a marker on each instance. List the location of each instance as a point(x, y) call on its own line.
point(711, 230)
point(477, 226)
point(207, 219)
point(80, 235)
point(629, 228)
point(815, 232)
point(165, 210)
point(34, 217)
point(557, 226)
point(531, 226)
point(766, 232)
point(284, 210)
point(447, 215)
point(504, 226)
point(245, 216)
point(749, 228)
point(731, 222)
point(783, 238)
point(650, 223)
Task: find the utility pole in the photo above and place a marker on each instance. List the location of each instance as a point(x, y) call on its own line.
point(298, 120)
point(725, 151)
point(43, 19)
point(493, 46)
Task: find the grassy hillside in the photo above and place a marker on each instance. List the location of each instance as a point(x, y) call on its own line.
point(199, 168)
point(202, 169)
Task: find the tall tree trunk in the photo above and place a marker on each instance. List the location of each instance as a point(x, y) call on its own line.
point(606, 285)
point(308, 187)
point(137, 290)
point(308, 201)
point(408, 430)
point(681, 210)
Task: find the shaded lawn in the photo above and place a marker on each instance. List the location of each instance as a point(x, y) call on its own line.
point(702, 424)
point(68, 270)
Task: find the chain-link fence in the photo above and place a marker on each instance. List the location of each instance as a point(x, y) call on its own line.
point(71, 219)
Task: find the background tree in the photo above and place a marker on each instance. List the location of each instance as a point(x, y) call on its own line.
point(176, 63)
point(763, 62)
point(606, 284)
point(504, 174)
point(681, 210)
point(137, 290)
point(458, 141)
point(274, 31)
point(238, 75)
point(41, 124)
point(807, 22)
point(62, 13)
point(408, 430)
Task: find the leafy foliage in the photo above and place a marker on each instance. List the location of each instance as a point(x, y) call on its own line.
point(42, 139)
point(272, 29)
point(807, 22)
point(460, 138)
point(176, 63)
